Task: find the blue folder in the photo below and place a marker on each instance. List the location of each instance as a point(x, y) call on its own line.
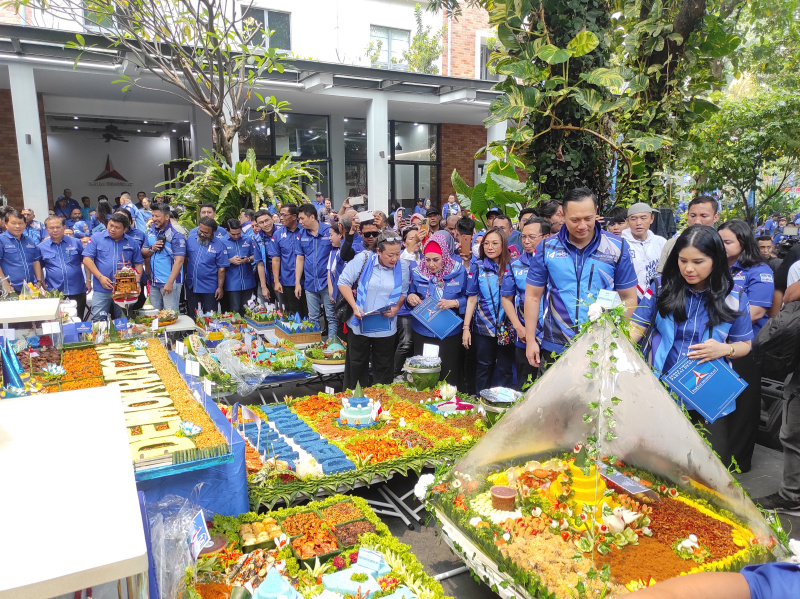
point(375, 323)
point(440, 321)
point(710, 388)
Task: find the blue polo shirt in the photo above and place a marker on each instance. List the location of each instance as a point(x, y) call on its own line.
point(267, 250)
point(109, 255)
point(161, 263)
point(573, 277)
point(71, 204)
point(138, 219)
point(285, 240)
point(63, 265)
point(773, 581)
point(35, 231)
point(758, 283)
point(483, 281)
point(203, 261)
point(139, 236)
point(239, 277)
point(17, 257)
point(315, 249)
point(515, 285)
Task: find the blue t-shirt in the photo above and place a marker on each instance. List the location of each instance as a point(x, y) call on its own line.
point(693, 330)
point(17, 257)
point(239, 277)
point(315, 249)
point(138, 219)
point(203, 262)
point(776, 580)
point(452, 287)
point(483, 281)
point(573, 277)
point(759, 284)
point(109, 256)
point(161, 262)
point(63, 265)
point(769, 226)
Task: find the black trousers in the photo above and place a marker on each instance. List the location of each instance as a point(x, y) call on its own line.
point(469, 358)
point(524, 369)
point(718, 434)
point(292, 304)
point(493, 359)
point(743, 422)
point(359, 348)
point(207, 301)
point(546, 359)
point(449, 352)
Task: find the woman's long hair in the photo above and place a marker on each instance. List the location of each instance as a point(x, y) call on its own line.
point(104, 210)
point(750, 256)
point(504, 259)
point(672, 297)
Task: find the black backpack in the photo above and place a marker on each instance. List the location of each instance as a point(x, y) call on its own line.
point(777, 346)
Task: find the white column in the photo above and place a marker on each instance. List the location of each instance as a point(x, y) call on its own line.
point(377, 144)
point(29, 139)
point(495, 133)
point(336, 182)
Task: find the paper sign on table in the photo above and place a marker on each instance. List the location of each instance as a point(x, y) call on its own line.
point(430, 351)
point(329, 390)
point(120, 324)
point(369, 560)
point(207, 385)
point(180, 348)
point(154, 325)
point(200, 537)
point(195, 368)
point(83, 328)
point(10, 334)
point(51, 328)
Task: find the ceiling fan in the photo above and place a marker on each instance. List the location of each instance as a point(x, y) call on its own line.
point(112, 133)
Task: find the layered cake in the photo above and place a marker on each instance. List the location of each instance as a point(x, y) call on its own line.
point(359, 411)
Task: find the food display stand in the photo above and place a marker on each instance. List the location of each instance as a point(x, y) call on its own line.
point(35, 310)
point(69, 479)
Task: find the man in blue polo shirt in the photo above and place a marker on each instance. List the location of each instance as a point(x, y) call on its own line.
point(284, 263)
point(33, 228)
point(312, 248)
point(207, 210)
point(239, 280)
point(62, 257)
point(106, 253)
point(138, 218)
point(264, 233)
point(319, 202)
point(206, 261)
point(166, 253)
point(19, 255)
point(573, 266)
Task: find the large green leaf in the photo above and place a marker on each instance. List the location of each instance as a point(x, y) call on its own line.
point(507, 37)
point(583, 43)
point(590, 99)
point(648, 143)
point(553, 54)
point(510, 105)
point(460, 185)
point(522, 69)
point(507, 183)
point(479, 204)
point(703, 108)
point(638, 84)
point(604, 77)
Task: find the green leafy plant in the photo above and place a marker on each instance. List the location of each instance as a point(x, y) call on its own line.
point(425, 48)
point(243, 185)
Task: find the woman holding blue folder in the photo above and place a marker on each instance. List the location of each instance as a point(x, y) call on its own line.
point(381, 281)
point(696, 312)
point(439, 276)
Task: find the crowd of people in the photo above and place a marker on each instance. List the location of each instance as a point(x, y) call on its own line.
point(522, 287)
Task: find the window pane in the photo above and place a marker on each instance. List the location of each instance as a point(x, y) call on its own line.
point(429, 183)
point(302, 135)
point(280, 23)
point(415, 142)
point(399, 44)
point(255, 135)
point(355, 178)
point(322, 185)
point(403, 182)
point(355, 139)
point(380, 35)
point(258, 17)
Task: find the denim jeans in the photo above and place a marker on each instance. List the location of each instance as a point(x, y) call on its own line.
point(234, 301)
point(314, 299)
point(166, 301)
point(102, 303)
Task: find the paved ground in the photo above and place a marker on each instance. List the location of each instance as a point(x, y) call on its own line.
point(436, 556)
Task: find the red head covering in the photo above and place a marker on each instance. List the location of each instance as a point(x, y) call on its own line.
point(437, 245)
point(432, 247)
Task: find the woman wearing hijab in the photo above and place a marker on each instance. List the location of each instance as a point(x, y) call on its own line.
point(438, 275)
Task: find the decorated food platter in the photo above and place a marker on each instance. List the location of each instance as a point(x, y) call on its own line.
point(332, 548)
point(324, 444)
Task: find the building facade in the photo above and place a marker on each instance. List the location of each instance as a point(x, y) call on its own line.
point(365, 122)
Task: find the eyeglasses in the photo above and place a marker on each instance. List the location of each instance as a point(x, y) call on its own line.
point(371, 234)
point(531, 237)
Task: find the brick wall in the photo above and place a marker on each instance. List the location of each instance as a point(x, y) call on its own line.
point(8, 16)
point(459, 144)
point(9, 157)
point(462, 36)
